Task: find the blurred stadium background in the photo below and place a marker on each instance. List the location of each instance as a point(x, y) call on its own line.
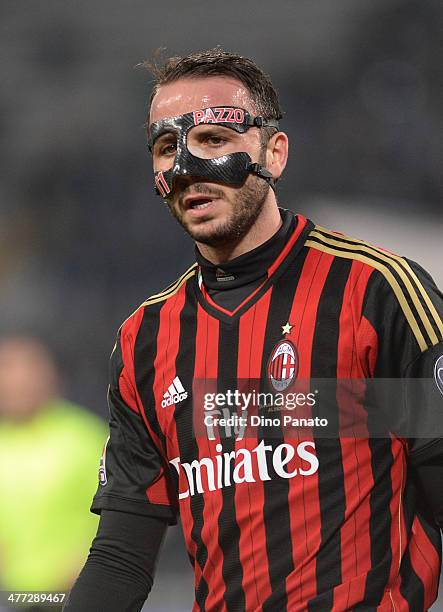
point(83, 238)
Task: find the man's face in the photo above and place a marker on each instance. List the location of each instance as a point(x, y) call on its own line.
point(212, 213)
point(28, 377)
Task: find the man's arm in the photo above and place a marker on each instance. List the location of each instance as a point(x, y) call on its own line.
point(119, 571)
point(409, 349)
point(135, 498)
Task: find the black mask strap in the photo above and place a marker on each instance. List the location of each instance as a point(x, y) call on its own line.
point(262, 173)
point(257, 169)
point(262, 122)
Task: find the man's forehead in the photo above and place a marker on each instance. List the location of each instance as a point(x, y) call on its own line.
point(189, 94)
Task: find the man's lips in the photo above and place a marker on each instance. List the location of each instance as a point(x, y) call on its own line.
point(198, 201)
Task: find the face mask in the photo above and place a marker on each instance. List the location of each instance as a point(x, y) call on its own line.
point(201, 151)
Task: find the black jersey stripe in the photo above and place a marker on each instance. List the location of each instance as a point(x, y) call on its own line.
point(410, 499)
point(276, 490)
point(423, 305)
point(228, 529)
point(425, 298)
point(416, 508)
point(187, 444)
point(411, 586)
point(331, 489)
point(415, 324)
point(423, 515)
point(380, 517)
point(145, 349)
point(432, 531)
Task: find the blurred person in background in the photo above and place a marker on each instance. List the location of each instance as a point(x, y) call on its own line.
point(270, 523)
point(48, 456)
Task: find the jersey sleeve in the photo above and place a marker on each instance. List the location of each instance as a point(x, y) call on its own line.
point(404, 308)
point(423, 404)
point(133, 476)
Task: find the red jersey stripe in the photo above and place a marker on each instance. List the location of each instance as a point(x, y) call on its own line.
point(301, 224)
point(425, 561)
point(130, 330)
point(206, 367)
point(358, 478)
point(249, 500)
point(164, 373)
point(305, 526)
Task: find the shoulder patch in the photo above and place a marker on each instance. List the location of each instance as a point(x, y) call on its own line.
point(438, 373)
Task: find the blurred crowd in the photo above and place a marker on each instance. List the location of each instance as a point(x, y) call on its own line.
point(49, 450)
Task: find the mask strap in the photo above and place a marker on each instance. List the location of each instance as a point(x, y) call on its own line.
point(257, 169)
point(262, 173)
point(262, 122)
point(254, 168)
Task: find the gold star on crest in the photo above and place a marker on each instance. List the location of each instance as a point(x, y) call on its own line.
point(286, 329)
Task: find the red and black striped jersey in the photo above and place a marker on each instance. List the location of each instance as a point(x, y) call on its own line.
point(281, 522)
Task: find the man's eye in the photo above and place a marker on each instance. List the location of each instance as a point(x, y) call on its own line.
point(215, 140)
point(168, 149)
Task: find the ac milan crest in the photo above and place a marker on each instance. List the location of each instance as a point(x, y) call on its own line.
point(283, 365)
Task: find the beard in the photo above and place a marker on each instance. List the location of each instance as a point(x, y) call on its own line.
point(246, 207)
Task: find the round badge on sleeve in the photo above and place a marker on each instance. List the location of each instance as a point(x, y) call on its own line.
point(438, 373)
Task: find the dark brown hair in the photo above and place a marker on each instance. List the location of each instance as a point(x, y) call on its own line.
point(217, 62)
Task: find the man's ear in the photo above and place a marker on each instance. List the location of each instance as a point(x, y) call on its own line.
point(277, 154)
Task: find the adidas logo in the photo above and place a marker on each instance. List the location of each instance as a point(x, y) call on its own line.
point(175, 393)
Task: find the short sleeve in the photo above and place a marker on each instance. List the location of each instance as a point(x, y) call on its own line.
point(133, 476)
point(404, 309)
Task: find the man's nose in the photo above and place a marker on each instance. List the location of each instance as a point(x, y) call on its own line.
point(181, 182)
point(181, 161)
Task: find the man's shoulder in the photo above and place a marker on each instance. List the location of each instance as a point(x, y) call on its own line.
point(394, 284)
point(387, 272)
point(131, 323)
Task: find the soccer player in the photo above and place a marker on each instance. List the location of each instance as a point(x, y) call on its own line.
point(272, 520)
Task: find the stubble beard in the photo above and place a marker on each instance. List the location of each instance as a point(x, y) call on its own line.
point(245, 207)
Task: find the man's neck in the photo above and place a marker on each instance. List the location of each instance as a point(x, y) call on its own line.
point(267, 224)
point(229, 283)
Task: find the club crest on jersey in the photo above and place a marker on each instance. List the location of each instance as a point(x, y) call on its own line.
point(283, 365)
point(438, 373)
